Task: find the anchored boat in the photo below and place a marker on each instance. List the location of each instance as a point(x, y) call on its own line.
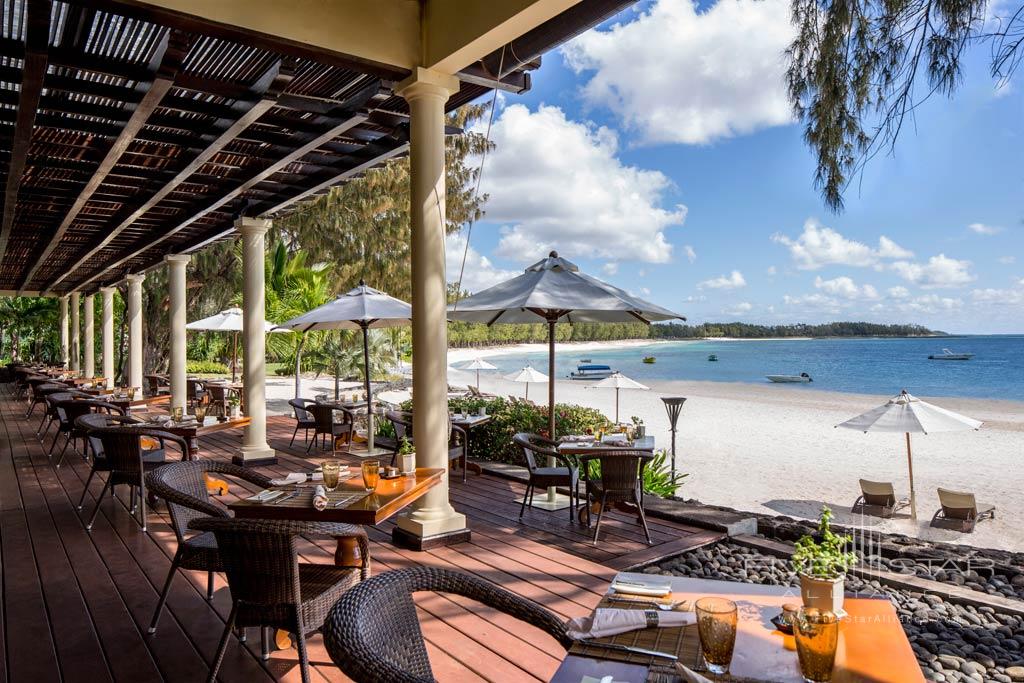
point(713, 358)
point(790, 379)
point(649, 360)
point(591, 371)
point(950, 355)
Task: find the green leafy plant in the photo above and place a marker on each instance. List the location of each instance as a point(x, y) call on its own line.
point(234, 400)
point(206, 367)
point(405, 447)
point(826, 558)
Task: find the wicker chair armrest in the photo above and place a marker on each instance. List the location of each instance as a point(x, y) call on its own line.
point(164, 437)
point(238, 472)
point(109, 407)
point(172, 495)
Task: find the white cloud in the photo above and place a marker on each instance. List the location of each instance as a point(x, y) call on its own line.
point(1007, 260)
point(982, 229)
point(771, 270)
point(734, 280)
point(610, 268)
point(677, 75)
point(1002, 89)
point(846, 288)
point(479, 273)
point(558, 184)
point(940, 272)
point(819, 246)
point(742, 308)
point(1000, 297)
point(816, 303)
point(691, 255)
point(898, 292)
point(931, 303)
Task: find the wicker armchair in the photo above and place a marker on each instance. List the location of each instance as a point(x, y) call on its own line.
point(157, 384)
point(270, 588)
point(183, 486)
point(52, 399)
point(325, 426)
point(401, 422)
point(373, 635)
point(621, 480)
point(39, 396)
point(129, 462)
point(218, 397)
point(68, 411)
point(89, 423)
point(304, 419)
point(568, 474)
point(194, 390)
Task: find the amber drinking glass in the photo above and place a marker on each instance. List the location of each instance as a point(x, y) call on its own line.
point(817, 636)
point(332, 475)
point(716, 626)
point(177, 413)
point(371, 474)
point(131, 393)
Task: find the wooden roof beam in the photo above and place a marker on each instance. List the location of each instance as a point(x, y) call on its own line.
point(268, 88)
point(37, 34)
point(165, 64)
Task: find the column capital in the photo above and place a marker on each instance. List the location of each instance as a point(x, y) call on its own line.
point(177, 258)
point(135, 278)
point(427, 83)
point(65, 298)
point(75, 295)
point(248, 225)
point(108, 290)
point(87, 297)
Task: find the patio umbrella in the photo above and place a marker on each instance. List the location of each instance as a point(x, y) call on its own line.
point(478, 365)
point(362, 308)
point(910, 415)
point(229, 320)
point(618, 381)
point(527, 375)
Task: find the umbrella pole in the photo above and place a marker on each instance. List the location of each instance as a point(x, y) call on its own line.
point(234, 357)
point(369, 397)
point(478, 379)
point(616, 405)
point(910, 468)
point(552, 491)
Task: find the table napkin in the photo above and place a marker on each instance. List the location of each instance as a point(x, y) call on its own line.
point(689, 675)
point(297, 478)
point(606, 621)
point(320, 498)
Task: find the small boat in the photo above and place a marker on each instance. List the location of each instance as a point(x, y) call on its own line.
point(790, 379)
point(949, 355)
point(649, 360)
point(591, 371)
point(586, 360)
point(713, 358)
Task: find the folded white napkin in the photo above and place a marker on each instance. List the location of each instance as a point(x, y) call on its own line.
point(659, 589)
point(610, 622)
point(689, 675)
point(320, 498)
point(297, 478)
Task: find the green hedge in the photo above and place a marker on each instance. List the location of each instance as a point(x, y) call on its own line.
point(206, 367)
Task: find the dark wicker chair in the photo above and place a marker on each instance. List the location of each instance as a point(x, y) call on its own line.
point(325, 426)
point(99, 462)
point(39, 397)
point(620, 481)
point(567, 474)
point(68, 411)
point(401, 422)
point(270, 588)
point(129, 462)
point(52, 399)
point(218, 398)
point(183, 486)
point(194, 389)
point(157, 384)
point(304, 419)
point(374, 636)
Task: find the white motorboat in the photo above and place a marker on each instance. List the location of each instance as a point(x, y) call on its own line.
point(591, 371)
point(790, 379)
point(950, 355)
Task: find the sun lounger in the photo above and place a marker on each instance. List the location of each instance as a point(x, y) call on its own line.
point(960, 511)
point(878, 499)
point(476, 393)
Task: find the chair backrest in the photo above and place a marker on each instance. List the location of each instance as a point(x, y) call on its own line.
point(878, 492)
point(535, 445)
point(373, 633)
point(183, 486)
point(70, 410)
point(218, 392)
point(192, 388)
point(958, 504)
point(153, 383)
point(323, 415)
point(620, 468)
point(122, 446)
point(89, 422)
point(299, 406)
point(401, 421)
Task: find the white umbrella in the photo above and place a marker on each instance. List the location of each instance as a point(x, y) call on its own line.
point(526, 376)
point(361, 308)
point(618, 381)
point(478, 364)
point(229, 320)
point(907, 414)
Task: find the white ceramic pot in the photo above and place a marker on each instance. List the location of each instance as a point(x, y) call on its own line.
point(408, 463)
point(823, 594)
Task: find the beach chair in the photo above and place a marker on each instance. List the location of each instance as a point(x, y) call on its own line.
point(960, 511)
point(878, 499)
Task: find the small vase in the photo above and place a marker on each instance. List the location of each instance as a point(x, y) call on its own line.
point(823, 594)
point(408, 463)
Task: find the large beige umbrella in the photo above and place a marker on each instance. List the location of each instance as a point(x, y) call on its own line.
point(909, 415)
point(526, 376)
point(618, 381)
point(478, 364)
point(229, 320)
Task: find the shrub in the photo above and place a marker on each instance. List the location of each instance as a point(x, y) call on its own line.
point(206, 367)
point(827, 558)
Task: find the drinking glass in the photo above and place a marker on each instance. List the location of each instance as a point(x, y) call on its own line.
point(817, 636)
point(371, 474)
point(177, 413)
point(332, 475)
point(716, 626)
point(200, 413)
point(131, 393)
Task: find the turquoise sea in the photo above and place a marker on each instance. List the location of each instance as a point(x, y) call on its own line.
point(869, 366)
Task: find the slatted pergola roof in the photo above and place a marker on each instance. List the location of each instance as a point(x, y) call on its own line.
point(126, 134)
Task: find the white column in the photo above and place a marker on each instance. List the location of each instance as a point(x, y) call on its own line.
point(107, 323)
point(255, 450)
point(433, 516)
point(176, 266)
point(76, 332)
point(63, 324)
point(89, 323)
point(135, 330)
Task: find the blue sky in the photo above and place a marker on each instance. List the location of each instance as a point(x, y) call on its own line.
point(658, 152)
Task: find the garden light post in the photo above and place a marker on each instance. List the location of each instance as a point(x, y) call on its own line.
point(673, 406)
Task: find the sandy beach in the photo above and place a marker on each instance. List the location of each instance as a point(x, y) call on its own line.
point(774, 448)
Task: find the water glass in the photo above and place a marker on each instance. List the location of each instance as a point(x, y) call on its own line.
point(817, 637)
point(332, 474)
point(716, 626)
point(131, 393)
point(177, 413)
point(371, 474)
point(200, 413)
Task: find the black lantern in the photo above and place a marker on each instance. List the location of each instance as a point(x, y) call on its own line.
point(673, 406)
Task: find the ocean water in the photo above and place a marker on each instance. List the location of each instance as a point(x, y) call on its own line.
point(869, 366)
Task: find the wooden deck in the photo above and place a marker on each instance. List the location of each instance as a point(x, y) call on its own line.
point(76, 605)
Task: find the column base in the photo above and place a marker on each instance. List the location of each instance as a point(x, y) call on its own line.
point(542, 503)
point(410, 541)
point(255, 456)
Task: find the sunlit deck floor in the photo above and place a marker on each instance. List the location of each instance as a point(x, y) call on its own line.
point(76, 605)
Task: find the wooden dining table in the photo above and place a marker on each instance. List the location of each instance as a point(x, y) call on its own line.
point(872, 644)
point(468, 423)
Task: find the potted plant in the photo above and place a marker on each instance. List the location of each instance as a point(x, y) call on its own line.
point(235, 405)
point(822, 566)
point(406, 457)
